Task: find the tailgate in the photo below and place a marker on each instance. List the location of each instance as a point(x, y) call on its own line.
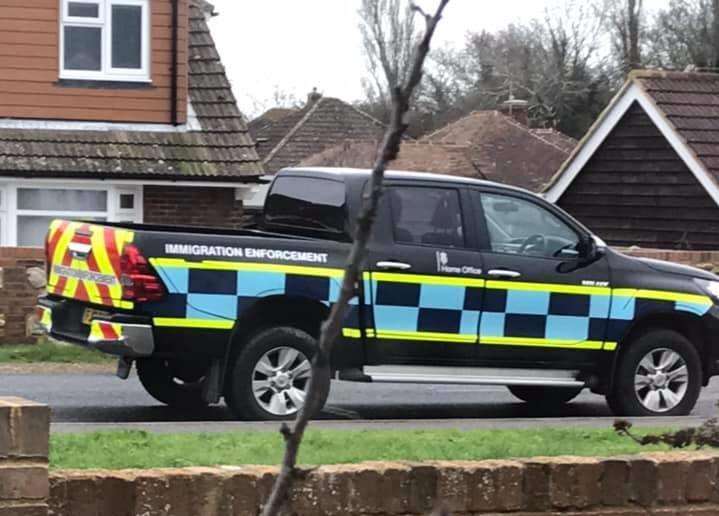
point(84, 262)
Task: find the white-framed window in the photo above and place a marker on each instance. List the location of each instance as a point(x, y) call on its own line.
point(29, 207)
point(105, 40)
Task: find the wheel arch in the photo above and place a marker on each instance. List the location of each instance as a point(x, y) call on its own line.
point(686, 324)
point(298, 312)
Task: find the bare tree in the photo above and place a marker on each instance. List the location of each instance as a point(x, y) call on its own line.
point(624, 20)
point(319, 384)
point(684, 34)
point(389, 35)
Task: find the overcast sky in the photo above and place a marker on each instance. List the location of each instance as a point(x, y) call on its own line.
point(295, 45)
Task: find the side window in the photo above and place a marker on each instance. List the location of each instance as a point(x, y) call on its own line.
point(426, 216)
point(519, 226)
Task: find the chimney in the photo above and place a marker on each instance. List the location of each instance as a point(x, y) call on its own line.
point(313, 97)
point(517, 109)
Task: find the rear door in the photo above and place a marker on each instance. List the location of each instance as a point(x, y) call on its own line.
point(542, 304)
point(425, 286)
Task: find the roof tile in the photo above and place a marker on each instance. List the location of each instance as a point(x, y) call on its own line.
point(506, 150)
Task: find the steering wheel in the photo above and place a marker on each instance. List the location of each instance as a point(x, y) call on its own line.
point(532, 241)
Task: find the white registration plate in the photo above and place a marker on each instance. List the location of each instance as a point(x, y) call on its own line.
point(91, 313)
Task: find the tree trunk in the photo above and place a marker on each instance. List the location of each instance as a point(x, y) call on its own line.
point(634, 9)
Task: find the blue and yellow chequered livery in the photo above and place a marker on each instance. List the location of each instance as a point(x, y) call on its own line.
point(214, 294)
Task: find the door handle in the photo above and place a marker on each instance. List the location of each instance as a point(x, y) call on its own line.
point(401, 266)
point(504, 273)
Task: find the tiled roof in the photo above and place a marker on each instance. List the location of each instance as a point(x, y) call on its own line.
point(413, 156)
point(507, 151)
point(690, 101)
point(293, 136)
point(222, 150)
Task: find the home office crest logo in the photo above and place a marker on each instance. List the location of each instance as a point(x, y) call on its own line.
point(444, 266)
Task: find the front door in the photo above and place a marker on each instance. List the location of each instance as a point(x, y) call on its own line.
point(542, 305)
point(425, 281)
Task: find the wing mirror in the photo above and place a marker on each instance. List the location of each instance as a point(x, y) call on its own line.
point(588, 249)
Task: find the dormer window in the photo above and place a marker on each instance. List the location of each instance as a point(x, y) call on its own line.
point(106, 40)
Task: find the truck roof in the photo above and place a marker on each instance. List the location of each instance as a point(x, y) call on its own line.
point(362, 173)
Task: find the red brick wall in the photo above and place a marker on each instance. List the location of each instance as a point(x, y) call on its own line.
point(17, 296)
point(192, 206)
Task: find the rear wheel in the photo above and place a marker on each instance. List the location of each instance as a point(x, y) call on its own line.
point(270, 376)
point(176, 383)
point(545, 395)
point(658, 375)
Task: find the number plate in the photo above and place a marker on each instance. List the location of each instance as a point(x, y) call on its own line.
point(91, 313)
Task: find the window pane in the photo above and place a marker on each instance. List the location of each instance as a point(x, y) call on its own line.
point(31, 231)
point(126, 36)
point(61, 200)
point(430, 216)
point(83, 48)
point(316, 204)
point(518, 226)
point(127, 201)
point(83, 10)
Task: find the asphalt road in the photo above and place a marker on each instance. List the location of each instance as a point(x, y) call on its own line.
point(83, 402)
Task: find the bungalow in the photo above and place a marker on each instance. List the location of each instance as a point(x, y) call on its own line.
point(117, 110)
point(505, 148)
point(647, 172)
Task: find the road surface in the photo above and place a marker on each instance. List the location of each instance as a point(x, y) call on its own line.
point(83, 402)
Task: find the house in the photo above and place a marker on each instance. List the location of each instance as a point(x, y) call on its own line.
point(440, 158)
point(117, 110)
point(505, 148)
point(287, 136)
point(647, 172)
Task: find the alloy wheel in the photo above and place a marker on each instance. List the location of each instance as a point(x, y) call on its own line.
point(661, 380)
point(280, 380)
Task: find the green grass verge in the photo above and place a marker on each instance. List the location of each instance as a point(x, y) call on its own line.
point(48, 351)
point(138, 449)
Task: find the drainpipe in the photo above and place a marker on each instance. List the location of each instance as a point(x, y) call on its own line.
point(173, 71)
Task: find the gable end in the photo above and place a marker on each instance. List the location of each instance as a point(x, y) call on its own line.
point(637, 190)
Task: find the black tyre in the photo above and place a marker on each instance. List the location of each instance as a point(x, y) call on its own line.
point(269, 378)
point(659, 374)
point(175, 383)
point(545, 395)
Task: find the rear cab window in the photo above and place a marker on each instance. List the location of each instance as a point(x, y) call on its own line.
point(308, 205)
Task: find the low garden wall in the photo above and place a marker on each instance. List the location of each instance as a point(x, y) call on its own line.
point(22, 279)
point(650, 484)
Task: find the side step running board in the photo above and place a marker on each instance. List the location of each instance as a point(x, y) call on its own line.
point(474, 375)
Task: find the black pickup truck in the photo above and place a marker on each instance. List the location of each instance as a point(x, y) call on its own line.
point(465, 282)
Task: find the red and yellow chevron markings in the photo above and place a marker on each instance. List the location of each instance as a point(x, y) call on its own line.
point(85, 262)
point(104, 331)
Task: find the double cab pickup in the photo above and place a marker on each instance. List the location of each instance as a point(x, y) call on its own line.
point(464, 281)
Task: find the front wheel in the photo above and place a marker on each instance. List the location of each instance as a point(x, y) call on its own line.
point(545, 395)
point(270, 376)
point(659, 374)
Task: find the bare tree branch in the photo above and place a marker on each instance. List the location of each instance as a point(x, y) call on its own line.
point(320, 380)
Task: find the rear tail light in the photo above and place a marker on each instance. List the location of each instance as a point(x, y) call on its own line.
point(138, 282)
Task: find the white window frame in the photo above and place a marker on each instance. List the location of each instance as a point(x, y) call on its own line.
point(9, 211)
point(104, 22)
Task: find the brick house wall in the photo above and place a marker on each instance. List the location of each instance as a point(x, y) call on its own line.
point(192, 206)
